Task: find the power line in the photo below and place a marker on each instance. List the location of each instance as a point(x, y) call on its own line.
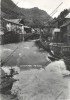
point(17, 2)
point(8, 58)
point(56, 8)
point(51, 16)
point(54, 11)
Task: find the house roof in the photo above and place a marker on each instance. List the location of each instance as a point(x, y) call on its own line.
point(15, 21)
point(26, 27)
point(68, 16)
point(56, 30)
point(68, 23)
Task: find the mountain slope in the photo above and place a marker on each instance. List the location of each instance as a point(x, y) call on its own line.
point(30, 17)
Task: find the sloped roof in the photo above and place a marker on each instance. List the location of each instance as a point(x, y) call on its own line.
point(56, 30)
point(68, 16)
point(65, 24)
point(15, 21)
point(26, 27)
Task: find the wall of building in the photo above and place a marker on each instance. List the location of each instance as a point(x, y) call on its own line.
point(68, 29)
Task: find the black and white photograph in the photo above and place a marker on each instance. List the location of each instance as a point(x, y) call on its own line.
point(34, 49)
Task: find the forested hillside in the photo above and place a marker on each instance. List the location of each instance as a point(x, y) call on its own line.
point(31, 17)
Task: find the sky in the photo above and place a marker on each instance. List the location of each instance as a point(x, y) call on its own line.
point(47, 5)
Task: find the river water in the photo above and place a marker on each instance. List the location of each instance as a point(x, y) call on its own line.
point(25, 53)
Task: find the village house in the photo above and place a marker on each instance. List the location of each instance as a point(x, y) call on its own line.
point(65, 29)
point(13, 30)
point(60, 44)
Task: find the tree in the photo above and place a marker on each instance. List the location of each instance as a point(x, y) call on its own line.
point(63, 14)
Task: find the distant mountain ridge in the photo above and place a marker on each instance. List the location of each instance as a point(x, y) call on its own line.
point(30, 17)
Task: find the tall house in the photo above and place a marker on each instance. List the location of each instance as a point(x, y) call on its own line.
point(65, 28)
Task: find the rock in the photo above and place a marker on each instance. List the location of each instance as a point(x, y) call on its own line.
point(58, 67)
point(6, 70)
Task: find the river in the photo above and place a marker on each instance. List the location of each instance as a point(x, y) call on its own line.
point(25, 53)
